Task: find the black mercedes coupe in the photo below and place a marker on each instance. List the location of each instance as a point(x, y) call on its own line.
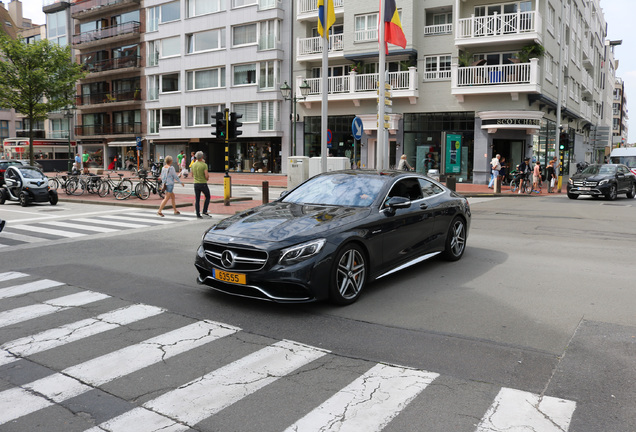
point(333, 234)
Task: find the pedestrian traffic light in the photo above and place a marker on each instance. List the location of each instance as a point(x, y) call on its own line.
point(220, 125)
point(235, 125)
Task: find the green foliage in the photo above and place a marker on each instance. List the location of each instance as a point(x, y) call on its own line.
point(36, 78)
point(534, 50)
point(464, 58)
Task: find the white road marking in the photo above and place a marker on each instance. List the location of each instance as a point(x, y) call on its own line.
point(516, 410)
point(159, 221)
point(78, 226)
point(209, 394)
point(69, 383)
point(21, 237)
point(50, 231)
point(27, 288)
point(58, 216)
point(109, 222)
point(48, 307)
point(369, 403)
point(72, 332)
point(11, 275)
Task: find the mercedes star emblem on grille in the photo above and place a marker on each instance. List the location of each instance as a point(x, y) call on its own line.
point(227, 259)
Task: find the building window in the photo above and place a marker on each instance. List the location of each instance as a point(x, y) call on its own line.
point(249, 111)
point(366, 28)
point(205, 79)
point(170, 47)
point(268, 74)
point(4, 129)
point(153, 87)
point(203, 7)
point(241, 3)
point(202, 115)
point(56, 27)
point(244, 35)
point(170, 83)
point(269, 34)
point(153, 121)
point(244, 74)
point(153, 53)
point(162, 14)
point(445, 18)
point(170, 117)
point(206, 41)
point(551, 16)
point(437, 67)
point(549, 66)
point(268, 115)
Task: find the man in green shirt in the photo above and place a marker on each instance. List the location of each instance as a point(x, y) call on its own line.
point(85, 158)
point(180, 156)
point(200, 174)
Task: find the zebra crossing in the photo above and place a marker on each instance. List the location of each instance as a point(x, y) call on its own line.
point(16, 234)
point(151, 343)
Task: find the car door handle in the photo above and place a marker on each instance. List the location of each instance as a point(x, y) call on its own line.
point(423, 206)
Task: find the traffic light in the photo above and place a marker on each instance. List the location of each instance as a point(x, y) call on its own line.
point(221, 125)
point(564, 141)
point(235, 124)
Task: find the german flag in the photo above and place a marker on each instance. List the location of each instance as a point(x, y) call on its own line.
point(393, 33)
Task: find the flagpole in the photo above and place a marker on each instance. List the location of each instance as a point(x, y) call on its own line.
point(325, 100)
point(380, 143)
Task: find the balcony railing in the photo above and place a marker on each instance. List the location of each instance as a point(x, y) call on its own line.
point(366, 35)
point(309, 46)
point(24, 133)
point(438, 29)
point(107, 32)
point(113, 64)
point(494, 74)
point(498, 25)
point(57, 134)
point(108, 97)
point(109, 129)
point(357, 83)
point(311, 6)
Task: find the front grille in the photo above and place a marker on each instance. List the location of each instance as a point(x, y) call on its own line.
point(584, 183)
point(235, 258)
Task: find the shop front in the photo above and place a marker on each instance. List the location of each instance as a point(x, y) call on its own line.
point(442, 142)
point(122, 155)
point(96, 151)
point(342, 142)
point(261, 155)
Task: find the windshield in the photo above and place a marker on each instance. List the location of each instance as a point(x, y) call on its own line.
point(600, 169)
point(31, 173)
point(630, 161)
point(354, 190)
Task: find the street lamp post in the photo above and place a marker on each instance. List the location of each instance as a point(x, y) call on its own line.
point(287, 93)
point(68, 115)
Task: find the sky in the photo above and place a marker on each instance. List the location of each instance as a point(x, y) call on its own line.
point(619, 15)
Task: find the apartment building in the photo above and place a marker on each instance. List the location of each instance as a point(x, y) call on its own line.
point(619, 115)
point(203, 56)
point(476, 79)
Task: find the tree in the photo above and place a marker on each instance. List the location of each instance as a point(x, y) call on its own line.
point(36, 79)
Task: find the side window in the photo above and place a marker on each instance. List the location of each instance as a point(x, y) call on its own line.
point(399, 189)
point(407, 188)
point(429, 189)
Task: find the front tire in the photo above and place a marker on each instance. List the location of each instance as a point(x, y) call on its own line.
point(572, 196)
point(455, 240)
point(24, 199)
point(53, 197)
point(611, 195)
point(632, 192)
point(2, 196)
point(142, 191)
point(348, 275)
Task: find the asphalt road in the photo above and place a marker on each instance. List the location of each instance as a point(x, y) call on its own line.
point(542, 302)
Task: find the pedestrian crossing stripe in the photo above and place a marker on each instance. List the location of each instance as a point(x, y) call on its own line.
point(368, 403)
point(30, 287)
point(82, 227)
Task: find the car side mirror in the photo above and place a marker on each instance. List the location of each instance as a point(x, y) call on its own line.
point(283, 194)
point(397, 202)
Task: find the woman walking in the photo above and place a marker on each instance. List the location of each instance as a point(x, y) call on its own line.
point(168, 177)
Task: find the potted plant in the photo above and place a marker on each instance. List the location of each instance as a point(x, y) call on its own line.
point(527, 52)
point(356, 67)
point(464, 58)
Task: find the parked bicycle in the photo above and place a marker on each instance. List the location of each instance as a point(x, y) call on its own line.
point(121, 189)
point(516, 180)
point(59, 181)
point(77, 185)
point(147, 185)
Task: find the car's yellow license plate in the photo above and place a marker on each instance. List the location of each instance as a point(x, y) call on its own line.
point(235, 278)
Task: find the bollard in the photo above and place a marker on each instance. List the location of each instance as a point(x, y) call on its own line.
point(227, 185)
point(451, 182)
point(498, 185)
point(265, 192)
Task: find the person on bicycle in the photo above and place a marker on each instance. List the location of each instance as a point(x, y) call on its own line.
point(523, 171)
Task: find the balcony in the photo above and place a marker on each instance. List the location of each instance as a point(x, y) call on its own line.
point(439, 29)
point(355, 87)
point(108, 97)
point(308, 9)
point(118, 63)
point(493, 79)
point(499, 28)
point(57, 134)
point(94, 37)
point(51, 6)
point(24, 133)
point(311, 48)
point(81, 9)
point(109, 129)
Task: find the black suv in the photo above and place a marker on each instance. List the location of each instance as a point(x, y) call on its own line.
point(607, 180)
point(4, 164)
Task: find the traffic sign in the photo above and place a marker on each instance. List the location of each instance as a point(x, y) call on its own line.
point(357, 127)
point(328, 136)
point(139, 145)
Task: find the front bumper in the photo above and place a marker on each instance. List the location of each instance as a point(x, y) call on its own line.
point(304, 282)
point(598, 190)
point(38, 194)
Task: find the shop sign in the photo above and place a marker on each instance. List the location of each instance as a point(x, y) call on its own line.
point(512, 122)
point(453, 153)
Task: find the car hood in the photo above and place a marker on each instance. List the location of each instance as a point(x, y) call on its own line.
point(280, 221)
point(591, 177)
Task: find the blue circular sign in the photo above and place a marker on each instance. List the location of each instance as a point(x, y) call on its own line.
point(356, 127)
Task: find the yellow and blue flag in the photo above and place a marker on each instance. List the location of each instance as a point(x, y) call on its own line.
point(393, 32)
point(326, 17)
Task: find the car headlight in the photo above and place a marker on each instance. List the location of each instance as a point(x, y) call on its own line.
point(570, 181)
point(301, 252)
point(602, 182)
